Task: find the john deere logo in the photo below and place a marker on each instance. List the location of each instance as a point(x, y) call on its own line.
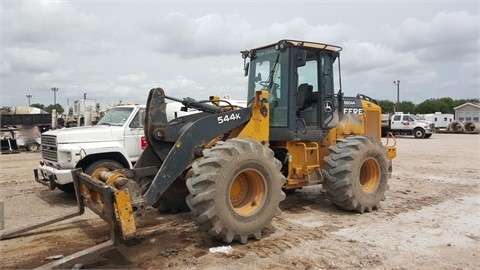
point(328, 106)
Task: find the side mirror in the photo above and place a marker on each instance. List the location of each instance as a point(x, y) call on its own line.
point(301, 58)
point(245, 69)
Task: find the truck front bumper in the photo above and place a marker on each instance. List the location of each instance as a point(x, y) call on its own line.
point(52, 177)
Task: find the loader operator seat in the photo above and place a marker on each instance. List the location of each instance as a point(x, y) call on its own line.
point(304, 94)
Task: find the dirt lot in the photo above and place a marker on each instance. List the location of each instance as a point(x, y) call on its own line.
point(430, 220)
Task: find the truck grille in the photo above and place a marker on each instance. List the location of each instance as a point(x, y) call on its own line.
point(49, 147)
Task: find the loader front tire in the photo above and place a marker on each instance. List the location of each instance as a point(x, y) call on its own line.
point(356, 173)
point(236, 190)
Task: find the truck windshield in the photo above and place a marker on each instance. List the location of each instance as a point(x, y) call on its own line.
point(116, 116)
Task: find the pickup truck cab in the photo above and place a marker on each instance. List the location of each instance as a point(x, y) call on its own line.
point(408, 124)
point(115, 142)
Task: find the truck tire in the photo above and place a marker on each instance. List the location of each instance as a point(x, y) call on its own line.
point(106, 163)
point(356, 174)
point(103, 163)
point(419, 133)
point(32, 147)
point(236, 190)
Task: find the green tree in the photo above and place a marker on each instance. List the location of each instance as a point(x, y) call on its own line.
point(446, 105)
point(428, 106)
point(38, 105)
point(406, 107)
point(386, 105)
point(57, 107)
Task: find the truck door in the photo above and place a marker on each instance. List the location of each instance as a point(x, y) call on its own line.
point(397, 122)
point(134, 136)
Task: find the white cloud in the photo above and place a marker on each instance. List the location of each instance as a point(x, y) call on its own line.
point(133, 78)
point(446, 37)
point(121, 50)
point(31, 59)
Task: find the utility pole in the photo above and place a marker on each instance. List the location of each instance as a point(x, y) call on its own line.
point(397, 83)
point(29, 97)
point(54, 89)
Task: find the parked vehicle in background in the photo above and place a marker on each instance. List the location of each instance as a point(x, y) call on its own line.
point(441, 120)
point(407, 124)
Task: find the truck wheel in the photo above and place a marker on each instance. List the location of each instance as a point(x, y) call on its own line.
point(103, 163)
point(32, 147)
point(356, 174)
point(106, 163)
point(419, 133)
point(236, 190)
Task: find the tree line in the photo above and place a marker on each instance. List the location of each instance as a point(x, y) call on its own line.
point(49, 108)
point(432, 105)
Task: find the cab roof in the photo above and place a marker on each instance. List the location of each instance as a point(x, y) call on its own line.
point(307, 44)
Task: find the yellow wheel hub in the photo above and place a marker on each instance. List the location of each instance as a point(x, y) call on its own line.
point(247, 192)
point(370, 175)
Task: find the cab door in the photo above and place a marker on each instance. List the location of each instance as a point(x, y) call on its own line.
point(134, 135)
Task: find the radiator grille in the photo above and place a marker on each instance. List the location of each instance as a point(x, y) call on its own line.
point(49, 147)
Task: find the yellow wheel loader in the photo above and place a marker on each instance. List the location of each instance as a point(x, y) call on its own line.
point(231, 166)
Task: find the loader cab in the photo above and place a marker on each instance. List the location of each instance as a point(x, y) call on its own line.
point(300, 79)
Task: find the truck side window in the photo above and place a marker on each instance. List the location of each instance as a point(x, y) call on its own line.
point(396, 118)
point(138, 120)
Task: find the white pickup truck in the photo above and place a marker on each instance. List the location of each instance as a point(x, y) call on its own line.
point(407, 124)
point(115, 142)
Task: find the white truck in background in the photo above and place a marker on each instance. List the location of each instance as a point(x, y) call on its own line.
point(116, 142)
point(407, 124)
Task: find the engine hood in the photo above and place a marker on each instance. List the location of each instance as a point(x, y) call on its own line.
point(85, 134)
point(425, 122)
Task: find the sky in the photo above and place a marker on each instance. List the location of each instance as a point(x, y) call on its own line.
point(116, 51)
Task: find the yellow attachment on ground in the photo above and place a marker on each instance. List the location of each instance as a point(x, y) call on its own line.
point(124, 213)
point(114, 205)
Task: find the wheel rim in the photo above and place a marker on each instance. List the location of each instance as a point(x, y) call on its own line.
point(370, 175)
point(247, 192)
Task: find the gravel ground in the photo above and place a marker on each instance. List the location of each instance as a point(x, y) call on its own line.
point(429, 220)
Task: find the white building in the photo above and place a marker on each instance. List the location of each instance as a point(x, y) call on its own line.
point(467, 112)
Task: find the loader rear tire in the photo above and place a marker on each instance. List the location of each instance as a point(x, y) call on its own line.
point(236, 190)
point(356, 174)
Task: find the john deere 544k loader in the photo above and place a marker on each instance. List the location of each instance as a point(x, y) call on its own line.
point(231, 166)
